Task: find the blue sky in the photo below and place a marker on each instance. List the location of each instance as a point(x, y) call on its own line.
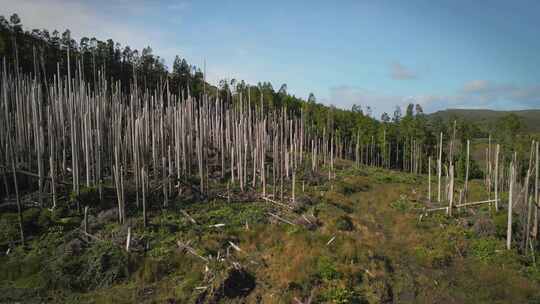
point(441, 54)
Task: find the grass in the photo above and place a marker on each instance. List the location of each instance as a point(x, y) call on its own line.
point(368, 247)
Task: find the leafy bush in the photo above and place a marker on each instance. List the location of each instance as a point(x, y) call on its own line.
point(402, 204)
point(474, 169)
point(99, 266)
point(45, 218)
point(485, 249)
point(326, 269)
point(105, 264)
point(501, 224)
point(533, 272)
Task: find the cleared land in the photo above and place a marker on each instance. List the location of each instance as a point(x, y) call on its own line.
point(357, 239)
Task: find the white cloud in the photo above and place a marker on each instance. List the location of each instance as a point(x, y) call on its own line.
point(475, 86)
point(346, 96)
point(178, 5)
point(81, 19)
point(477, 94)
point(400, 72)
point(488, 95)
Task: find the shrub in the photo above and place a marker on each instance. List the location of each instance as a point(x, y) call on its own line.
point(326, 269)
point(485, 249)
point(45, 218)
point(98, 267)
point(501, 224)
point(474, 168)
point(433, 257)
point(105, 263)
point(402, 204)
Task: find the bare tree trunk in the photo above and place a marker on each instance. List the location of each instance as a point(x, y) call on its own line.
point(144, 181)
point(467, 170)
point(497, 177)
point(439, 167)
point(86, 220)
point(510, 202)
point(536, 178)
point(17, 198)
point(128, 239)
point(429, 179)
point(451, 190)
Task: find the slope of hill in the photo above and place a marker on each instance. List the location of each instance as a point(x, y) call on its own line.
point(486, 118)
point(357, 239)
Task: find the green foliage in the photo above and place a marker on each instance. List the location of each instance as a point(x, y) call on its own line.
point(433, 257)
point(103, 264)
point(443, 247)
point(99, 266)
point(403, 204)
point(340, 295)
point(45, 218)
point(326, 269)
point(533, 272)
point(474, 168)
point(233, 214)
point(386, 177)
point(30, 218)
point(9, 228)
point(500, 220)
point(485, 249)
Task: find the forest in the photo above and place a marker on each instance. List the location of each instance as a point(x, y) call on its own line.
point(125, 180)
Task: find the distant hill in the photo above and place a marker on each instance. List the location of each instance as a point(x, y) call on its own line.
point(486, 118)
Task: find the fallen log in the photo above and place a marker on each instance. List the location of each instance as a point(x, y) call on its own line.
point(277, 203)
point(436, 209)
point(188, 216)
point(185, 246)
point(281, 219)
point(475, 203)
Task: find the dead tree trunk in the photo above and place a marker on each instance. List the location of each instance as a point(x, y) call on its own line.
point(510, 202)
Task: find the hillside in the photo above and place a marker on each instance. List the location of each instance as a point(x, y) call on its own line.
point(124, 182)
point(357, 239)
point(486, 118)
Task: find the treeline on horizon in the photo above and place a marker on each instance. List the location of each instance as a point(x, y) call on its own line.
point(44, 55)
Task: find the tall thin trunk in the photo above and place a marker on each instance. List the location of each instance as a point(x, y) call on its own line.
point(510, 203)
